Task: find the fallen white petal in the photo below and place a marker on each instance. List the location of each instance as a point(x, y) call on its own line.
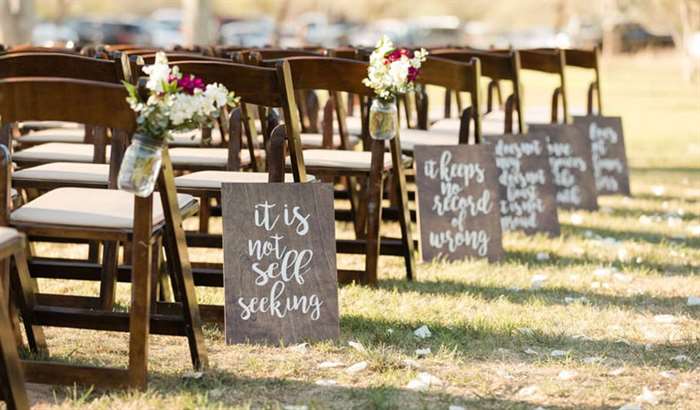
point(411, 364)
point(326, 382)
point(423, 352)
point(593, 360)
point(602, 272)
point(664, 318)
point(668, 374)
point(454, 407)
point(572, 299)
point(193, 375)
point(681, 358)
point(542, 256)
point(528, 391)
point(694, 230)
point(621, 277)
point(357, 367)
point(567, 374)
point(424, 381)
point(422, 332)
point(649, 396)
point(295, 407)
point(631, 406)
point(330, 365)
point(531, 351)
point(300, 348)
point(576, 219)
point(558, 353)
point(357, 346)
point(658, 190)
point(693, 300)
point(537, 281)
point(623, 255)
point(616, 372)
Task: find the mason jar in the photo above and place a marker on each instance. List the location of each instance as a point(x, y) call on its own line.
point(141, 164)
point(383, 119)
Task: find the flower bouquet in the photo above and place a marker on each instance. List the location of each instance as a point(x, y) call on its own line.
point(175, 102)
point(392, 71)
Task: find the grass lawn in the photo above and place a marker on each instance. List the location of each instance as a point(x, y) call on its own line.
point(609, 325)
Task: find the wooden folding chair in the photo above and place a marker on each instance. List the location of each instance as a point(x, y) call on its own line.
point(552, 61)
point(102, 215)
point(12, 390)
point(497, 67)
point(590, 60)
point(255, 85)
point(342, 75)
point(88, 145)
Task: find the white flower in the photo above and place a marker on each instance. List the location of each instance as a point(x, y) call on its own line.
point(158, 73)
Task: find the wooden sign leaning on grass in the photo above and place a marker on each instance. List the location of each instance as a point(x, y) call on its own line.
point(528, 196)
point(572, 165)
point(458, 202)
point(280, 273)
point(608, 149)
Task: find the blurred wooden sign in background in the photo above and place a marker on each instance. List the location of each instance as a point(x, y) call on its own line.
point(528, 195)
point(608, 150)
point(572, 165)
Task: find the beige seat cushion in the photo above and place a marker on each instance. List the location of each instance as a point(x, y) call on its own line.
point(412, 137)
point(89, 207)
point(57, 152)
point(65, 172)
point(316, 140)
point(67, 135)
point(354, 125)
point(489, 125)
point(340, 159)
point(8, 235)
point(49, 124)
point(194, 138)
point(206, 157)
point(214, 179)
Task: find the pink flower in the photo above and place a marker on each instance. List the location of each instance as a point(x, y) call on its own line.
point(413, 73)
point(190, 83)
point(397, 54)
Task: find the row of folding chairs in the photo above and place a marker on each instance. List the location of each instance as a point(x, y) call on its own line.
point(71, 199)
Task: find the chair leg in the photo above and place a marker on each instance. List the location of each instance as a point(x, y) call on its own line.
point(108, 282)
point(26, 296)
point(374, 212)
point(140, 313)
point(6, 299)
point(12, 388)
point(204, 213)
point(179, 266)
point(401, 198)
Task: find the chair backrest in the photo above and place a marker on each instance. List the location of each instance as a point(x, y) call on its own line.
point(44, 64)
point(456, 76)
point(588, 59)
point(498, 67)
point(552, 61)
point(261, 86)
point(61, 99)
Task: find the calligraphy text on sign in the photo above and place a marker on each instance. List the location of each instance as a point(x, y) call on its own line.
point(280, 276)
point(528, 197)
point(571, 164)
point(608, 152)
point(457, 198)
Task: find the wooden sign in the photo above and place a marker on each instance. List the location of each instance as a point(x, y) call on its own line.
point(458, 202)
point(608, 150)
point(527, 193)
point(280, 274)
point(572, 165)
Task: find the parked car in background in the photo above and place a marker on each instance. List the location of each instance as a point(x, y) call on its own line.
point(248, 33)
point(631, 37)
point(48, 34)
point(165, 27)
